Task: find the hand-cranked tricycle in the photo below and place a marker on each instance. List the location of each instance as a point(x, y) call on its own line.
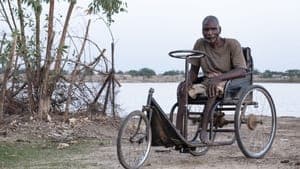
point(249, 109)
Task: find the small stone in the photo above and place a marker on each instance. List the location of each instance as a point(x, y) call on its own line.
point(62, 146)
point(285, 161)
point(3, 133)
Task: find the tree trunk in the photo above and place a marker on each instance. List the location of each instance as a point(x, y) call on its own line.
point(24, 52)
point(48, 84)
point(45, 94)
point(62, 39)
point(44, 107)
point(5, 77)
point(37, 80)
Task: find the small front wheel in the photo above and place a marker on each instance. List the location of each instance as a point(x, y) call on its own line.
point(255, 122)
point(134, 140)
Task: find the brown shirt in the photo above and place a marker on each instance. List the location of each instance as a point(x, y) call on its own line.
point(219, 60)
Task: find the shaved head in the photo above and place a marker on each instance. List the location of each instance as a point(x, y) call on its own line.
point(211, 29)
point(210, 18)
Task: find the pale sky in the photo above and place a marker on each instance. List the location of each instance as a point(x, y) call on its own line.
point(152, 28)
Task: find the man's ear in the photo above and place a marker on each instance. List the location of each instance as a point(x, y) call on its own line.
point(220, 29)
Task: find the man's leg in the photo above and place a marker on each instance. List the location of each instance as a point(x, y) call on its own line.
point(181, 106)
point(206, 114)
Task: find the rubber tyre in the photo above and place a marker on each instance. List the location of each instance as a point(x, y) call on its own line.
point(255, 122)
point(134, 140)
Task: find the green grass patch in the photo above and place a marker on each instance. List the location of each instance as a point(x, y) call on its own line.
point(45, 154)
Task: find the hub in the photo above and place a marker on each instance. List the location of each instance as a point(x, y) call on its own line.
point(251, 122)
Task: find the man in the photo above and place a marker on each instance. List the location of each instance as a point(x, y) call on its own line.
point(224, 61)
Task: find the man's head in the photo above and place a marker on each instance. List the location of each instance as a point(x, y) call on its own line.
point(211, 29)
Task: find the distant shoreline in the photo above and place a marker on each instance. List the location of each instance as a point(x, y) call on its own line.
point(125, 78)
point(179, 78)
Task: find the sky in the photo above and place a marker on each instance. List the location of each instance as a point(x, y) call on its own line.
point(151, 28)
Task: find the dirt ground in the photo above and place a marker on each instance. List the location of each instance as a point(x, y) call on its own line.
point(285, 152)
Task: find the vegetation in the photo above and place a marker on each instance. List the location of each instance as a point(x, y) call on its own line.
point(36, 39)
point(142, 72)
point(288, 75)
point(45, 153)
point(173, 72)
point(266, 74)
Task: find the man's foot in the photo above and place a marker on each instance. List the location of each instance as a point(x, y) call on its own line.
point(178, 147)
point(204, 137)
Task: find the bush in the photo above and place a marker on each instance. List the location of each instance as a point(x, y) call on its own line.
point(147, 72)
point(173, 72)
point(133, 72)
point(142, 72)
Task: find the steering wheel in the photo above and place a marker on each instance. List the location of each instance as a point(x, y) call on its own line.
point(183, 54)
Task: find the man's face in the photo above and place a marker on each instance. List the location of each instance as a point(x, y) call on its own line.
point(211, 31)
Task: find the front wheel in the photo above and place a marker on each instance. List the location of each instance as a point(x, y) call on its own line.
point(134, 140)
point(255, 122)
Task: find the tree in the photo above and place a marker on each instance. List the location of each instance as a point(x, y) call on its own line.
point(267, 74)
point(293, 72)
point(34, 42)
point(133, 72)
point(173, 72)
point(256, 72)
point(147, 72)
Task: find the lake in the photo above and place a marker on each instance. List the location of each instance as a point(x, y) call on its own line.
point(132, 96)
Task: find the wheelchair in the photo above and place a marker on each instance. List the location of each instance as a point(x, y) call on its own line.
point(245, 114)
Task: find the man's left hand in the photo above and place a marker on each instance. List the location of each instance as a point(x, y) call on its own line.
point(213, 86)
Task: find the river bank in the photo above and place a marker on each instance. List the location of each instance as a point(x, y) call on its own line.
point(179, 78)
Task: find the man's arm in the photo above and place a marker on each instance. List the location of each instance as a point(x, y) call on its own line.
point(233, 74)
point(193, 74)
point(213, 82)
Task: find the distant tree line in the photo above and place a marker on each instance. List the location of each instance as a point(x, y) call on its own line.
point(266, 74)
point(271, 74)
point(141, 72)
point(150, 72)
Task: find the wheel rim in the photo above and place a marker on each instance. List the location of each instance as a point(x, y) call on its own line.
point(256, 122)
point(134, 141)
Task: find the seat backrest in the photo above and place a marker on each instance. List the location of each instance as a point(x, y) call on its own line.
point(248, 58)
point(249, 62)
point(234, 86)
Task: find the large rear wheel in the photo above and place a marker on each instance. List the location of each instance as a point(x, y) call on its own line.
point(134, 140)
point(255, 122)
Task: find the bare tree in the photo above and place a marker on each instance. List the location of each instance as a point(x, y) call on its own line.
point(46, 86)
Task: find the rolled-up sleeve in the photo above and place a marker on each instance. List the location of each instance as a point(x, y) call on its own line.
point(238, 59)
point(195, 61)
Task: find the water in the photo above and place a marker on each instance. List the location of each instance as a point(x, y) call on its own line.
point(133, 96)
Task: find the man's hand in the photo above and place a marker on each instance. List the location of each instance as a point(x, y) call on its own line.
point(213, 86)
point(182, 86)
